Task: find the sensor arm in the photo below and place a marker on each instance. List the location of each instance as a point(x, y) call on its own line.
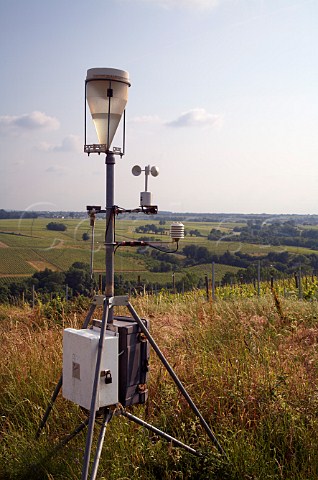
point(141, 243)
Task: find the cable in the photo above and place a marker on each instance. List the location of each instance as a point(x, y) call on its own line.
point(164, 251)
point(151, 210)
point(141, 243)
point(111, 217)
point(132, 243)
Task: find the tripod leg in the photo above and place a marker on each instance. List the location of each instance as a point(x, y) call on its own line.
point(175, 379)
point(89, 316)
point(93, 409)
point(160, 433)
point(73, 434)
point(107, 418)
point(50, 406)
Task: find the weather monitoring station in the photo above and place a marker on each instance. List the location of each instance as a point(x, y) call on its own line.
point(106, 362)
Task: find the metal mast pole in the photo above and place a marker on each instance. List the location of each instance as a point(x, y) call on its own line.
point(110, 230)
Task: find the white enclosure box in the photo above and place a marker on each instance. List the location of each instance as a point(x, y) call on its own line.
point(145, 199)
point(79, 362)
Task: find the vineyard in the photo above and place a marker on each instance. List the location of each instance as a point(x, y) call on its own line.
point(27, 247)
point(247, 352)
point(307, 289)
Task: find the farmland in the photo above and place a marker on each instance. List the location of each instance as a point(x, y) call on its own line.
point(249, 361)
point(27, 246)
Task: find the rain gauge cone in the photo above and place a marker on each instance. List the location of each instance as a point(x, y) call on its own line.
point(107, 95)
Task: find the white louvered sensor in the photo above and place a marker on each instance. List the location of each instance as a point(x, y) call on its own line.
point(177, 231)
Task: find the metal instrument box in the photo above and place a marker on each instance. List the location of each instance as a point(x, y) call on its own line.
point(79, 362)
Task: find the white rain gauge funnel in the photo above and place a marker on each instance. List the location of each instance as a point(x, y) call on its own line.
point(106, 95)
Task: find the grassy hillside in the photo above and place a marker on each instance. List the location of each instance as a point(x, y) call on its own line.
point(26, 246)
point(251, 365)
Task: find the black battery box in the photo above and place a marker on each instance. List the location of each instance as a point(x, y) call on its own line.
point(134, 352)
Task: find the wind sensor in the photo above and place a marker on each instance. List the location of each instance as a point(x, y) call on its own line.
point(106, 362)
point(145, 197)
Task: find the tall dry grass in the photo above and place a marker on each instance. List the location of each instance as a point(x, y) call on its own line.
point(251, 366)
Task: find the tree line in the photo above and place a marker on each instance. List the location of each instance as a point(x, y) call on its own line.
point(277, 264)
point(277, 233)
point(5, 215)
point(47, 282)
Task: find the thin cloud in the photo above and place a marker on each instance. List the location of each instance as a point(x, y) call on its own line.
point(16, 124)
point(70, 143)
point(59, 170)
point(192, 4)
point(197, 117)
point(150, 119)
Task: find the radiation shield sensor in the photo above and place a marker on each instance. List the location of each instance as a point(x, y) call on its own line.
point(176, 231)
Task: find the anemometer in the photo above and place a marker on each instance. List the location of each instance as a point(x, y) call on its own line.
point(145, 197)
point(106, 362)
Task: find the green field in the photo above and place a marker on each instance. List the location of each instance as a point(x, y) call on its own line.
point(26, 246)
point(247, 355)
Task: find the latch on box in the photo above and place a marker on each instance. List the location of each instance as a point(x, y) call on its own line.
point(108, 376)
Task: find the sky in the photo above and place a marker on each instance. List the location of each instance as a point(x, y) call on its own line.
point(223, 100)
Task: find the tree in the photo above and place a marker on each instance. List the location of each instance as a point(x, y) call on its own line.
point(195, 233)
point(187, 282)
point(200, 254)
point(215, 234)
point(78, 278)
point(189, 250)
point(48, 281)
point(59, 227)
point(4, 293)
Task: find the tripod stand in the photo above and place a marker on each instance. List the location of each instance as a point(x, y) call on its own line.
point(108, 412)
point(106, 93)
